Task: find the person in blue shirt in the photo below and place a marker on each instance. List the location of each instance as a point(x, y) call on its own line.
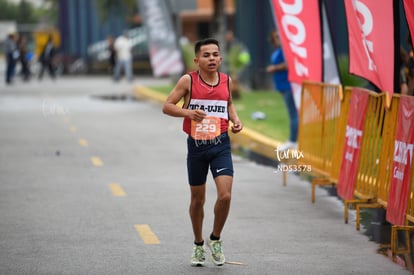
point(279, 70)
point(11, 54)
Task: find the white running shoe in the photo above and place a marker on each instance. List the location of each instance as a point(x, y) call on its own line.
point(217, 255)
point(199, 255)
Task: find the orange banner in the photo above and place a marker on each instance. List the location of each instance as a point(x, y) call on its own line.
point(401, 166)
point(354, 129)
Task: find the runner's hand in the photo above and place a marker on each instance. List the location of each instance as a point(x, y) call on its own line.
point(237, 127)
point(197, 115)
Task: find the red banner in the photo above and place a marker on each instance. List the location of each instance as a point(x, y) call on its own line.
point(352, 149)
point(299, 27)
point(402, 163)
point(409, 15)
point(371, 41)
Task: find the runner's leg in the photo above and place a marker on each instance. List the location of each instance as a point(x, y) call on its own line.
point(222, 207)
point(198, 194)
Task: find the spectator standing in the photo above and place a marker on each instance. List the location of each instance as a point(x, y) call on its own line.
point(11, 52)
point(403, 72)
point(123, 49)
point(278, 68)
point(46, 59)
point(23, 57)
point(112, 54)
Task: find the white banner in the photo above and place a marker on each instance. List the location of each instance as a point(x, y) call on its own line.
point(165, 54)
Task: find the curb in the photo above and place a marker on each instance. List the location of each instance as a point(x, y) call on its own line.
point(247, 138)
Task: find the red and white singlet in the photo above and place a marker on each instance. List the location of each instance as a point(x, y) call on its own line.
point(214, 101)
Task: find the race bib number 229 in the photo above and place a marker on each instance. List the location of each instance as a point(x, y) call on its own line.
point(207, 129)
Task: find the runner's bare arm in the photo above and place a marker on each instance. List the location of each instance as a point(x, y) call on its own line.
point(181, 90)
point(234, 118)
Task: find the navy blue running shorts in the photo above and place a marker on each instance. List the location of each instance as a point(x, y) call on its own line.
point(202, 154)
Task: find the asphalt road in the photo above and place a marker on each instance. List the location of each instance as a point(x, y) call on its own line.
point(96, 186)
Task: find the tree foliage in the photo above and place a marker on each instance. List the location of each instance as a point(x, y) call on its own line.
point(23, 12)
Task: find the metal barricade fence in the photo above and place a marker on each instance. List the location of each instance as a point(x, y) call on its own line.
point(337, 140)
point(366, 184)
point(387, 151)
point(340, 132)
point(322, 134)
point(410, 207)
point(409, 212)
point(332, 95)
point(319, 112)
point(395, 249)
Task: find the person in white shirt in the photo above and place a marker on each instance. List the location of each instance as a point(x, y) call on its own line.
point(123, 57)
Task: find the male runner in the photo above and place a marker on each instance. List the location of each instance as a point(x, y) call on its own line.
point(206, 111)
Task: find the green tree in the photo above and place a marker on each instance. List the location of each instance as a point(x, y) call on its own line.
point(8, 10)
point(25, 14)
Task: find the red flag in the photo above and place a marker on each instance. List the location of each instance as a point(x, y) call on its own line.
point(299, 27)
point(371, 41)
point(409, 15)
point(352, 149)
point(402, 163)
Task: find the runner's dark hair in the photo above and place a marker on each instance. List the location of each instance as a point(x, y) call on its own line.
point(203, 42)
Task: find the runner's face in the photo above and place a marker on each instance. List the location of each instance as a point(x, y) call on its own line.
point(208, 58)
